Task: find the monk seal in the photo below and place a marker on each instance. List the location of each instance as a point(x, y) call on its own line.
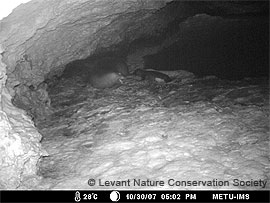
point(113, 64)
point(101, 79)
point(152, 75)
point(104, 72)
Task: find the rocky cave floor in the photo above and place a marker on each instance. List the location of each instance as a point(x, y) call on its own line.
point(200, 129)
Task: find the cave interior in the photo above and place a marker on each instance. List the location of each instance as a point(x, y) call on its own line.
point(74, 107)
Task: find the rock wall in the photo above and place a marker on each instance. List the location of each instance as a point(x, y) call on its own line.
point(20, 147)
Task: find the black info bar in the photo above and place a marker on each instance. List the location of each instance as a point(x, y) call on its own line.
point(134, 196)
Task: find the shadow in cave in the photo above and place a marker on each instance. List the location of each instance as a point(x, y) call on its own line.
point(227, 48)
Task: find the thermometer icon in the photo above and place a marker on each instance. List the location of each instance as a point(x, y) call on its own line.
point(77, 196)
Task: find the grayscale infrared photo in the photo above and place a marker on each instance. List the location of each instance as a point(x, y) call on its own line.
point(128, 99)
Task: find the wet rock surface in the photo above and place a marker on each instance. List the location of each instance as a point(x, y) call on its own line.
point(20, 147)
point(195, 129)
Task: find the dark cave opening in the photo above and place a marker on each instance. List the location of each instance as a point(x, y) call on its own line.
point(231, 49)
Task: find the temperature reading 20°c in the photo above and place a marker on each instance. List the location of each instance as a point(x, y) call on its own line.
point(90, 196)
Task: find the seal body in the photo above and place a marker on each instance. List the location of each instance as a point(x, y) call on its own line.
point(152, 75)
point(106, 72)
point(103, 79)
point(113, 64)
